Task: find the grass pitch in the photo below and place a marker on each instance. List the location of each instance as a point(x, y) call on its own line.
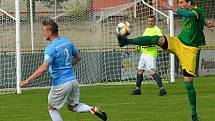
point(118, 103)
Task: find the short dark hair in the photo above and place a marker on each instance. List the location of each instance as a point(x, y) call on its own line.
point(151, 16)
point(52, 26)
point(192, 1)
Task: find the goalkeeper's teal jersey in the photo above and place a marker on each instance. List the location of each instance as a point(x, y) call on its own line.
point(193, 25)
point(151, 50)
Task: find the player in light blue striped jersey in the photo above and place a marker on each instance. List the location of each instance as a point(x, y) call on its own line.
point(59, 58)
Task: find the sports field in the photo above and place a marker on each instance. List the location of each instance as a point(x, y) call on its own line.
point(119, 105)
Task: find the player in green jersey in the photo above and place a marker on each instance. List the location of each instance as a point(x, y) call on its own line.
point(185, 46)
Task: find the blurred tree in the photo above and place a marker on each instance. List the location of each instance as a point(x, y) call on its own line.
point(46, 3)
point(79, 11)
point(51, 3)
point(207, 6)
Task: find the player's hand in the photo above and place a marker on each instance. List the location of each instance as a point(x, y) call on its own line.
point(209, 24)
point(23, 83)
point(122, 40)
point(166, 6)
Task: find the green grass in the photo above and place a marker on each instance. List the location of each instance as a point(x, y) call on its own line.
point(119, 105)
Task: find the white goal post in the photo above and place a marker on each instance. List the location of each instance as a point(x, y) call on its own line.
point(18, 48)
point(10, 63)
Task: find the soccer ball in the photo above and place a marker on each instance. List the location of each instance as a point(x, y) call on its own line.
point(123, 28)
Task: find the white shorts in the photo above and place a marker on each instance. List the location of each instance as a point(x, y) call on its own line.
point(67, 92)
point(147, 62)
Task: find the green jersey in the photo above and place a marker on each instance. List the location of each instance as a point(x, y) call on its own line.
point(151, 50)
point(193, 25)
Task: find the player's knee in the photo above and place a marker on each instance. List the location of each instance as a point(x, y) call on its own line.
point(152, 72)
point(188, 79)
point(139, 71)
point(161, 41)
point(187, 76)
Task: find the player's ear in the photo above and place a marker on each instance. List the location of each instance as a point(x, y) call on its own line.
point(189, 3)
point(79, 55)
point(50, 33)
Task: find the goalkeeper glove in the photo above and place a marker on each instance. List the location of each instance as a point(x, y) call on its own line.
point(122, 40)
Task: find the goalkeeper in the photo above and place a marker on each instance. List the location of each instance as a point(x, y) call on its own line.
point(185, 46)
point(148, 59)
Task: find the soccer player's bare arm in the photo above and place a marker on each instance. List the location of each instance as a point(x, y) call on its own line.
point(77, 58)
point(41, 70)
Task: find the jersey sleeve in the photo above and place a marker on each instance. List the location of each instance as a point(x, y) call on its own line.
point(74, 50)
point(186, 13)
point(48, 55)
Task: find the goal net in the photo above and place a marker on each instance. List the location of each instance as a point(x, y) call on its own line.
point(7, 47)
point(90, 25)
